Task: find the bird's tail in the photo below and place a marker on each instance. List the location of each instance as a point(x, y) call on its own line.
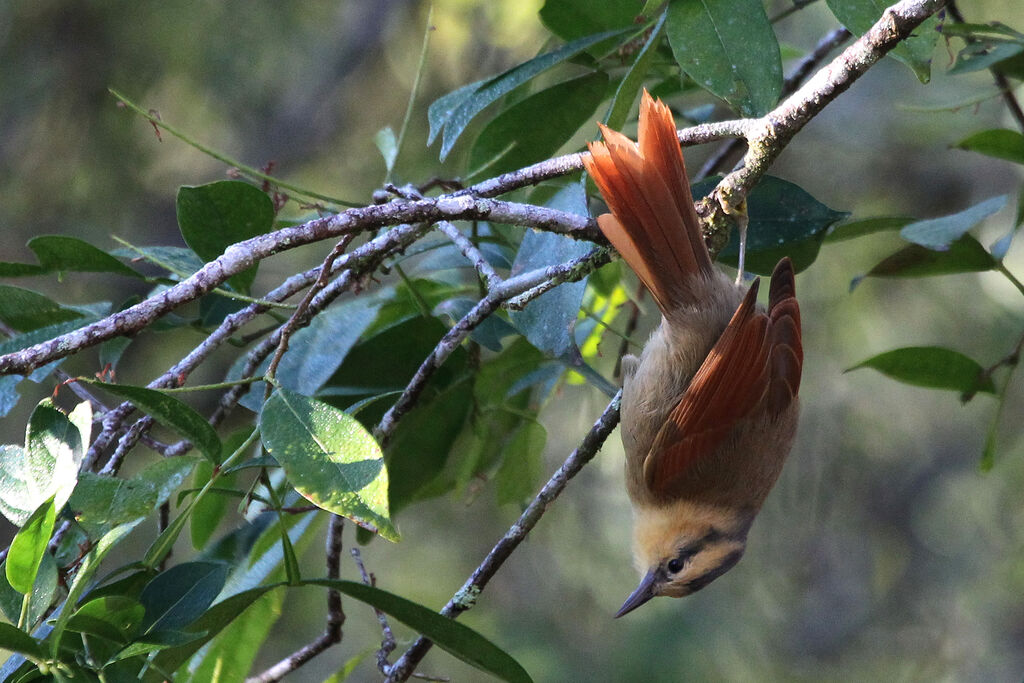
point(652, 223)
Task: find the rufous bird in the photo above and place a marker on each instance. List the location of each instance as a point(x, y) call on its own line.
point(709, 410)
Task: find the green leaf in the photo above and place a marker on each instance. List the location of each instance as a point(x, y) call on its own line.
point(43, 591)
point(985, 54)
point(114, 617)
point(931, 366)
point(9, 269)
point(175, 260)
point(629, 86)
point(172, 413)
point(939, 233)
point(388, 146)
point(102, 503)
point(916, 51)
point(999, 143)
point(329, 458)
point(14, 639)
point(472, 102)
point(521, 467)
point(728, 48)
point(513, 139)
point(784, 221)
point(866, 226)
point(60, 252)
point(453, 637)
point(572, 19)
point(177, 597)
point(25, 310)
point(28, 546)
point(965, 255)
point(83, 578)
point(443, 107)
point(210, 623)
point(215, 216)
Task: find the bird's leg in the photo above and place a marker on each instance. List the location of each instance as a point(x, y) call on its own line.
point(738, 212)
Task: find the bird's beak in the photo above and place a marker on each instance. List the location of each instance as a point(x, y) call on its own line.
point(644, 592)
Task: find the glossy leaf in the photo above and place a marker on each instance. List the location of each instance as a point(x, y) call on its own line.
point(784, 221)
point(215, 216)
point(170, 412)
point(27, 548)
point(114, 617)
point(470, 102)
point(513, 139)
point(177, 597)
point(450, 635)
point(916, 51)
point(965, 255)
point(939, 233)
point(998, 143)
point(572, 19)
point(931, 366)
point(24, 309)
point(61, 252)
point(728, 48)
point(329, 458)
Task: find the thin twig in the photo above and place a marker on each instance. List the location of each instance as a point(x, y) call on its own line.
point(388, 642)
point(466, 596)
point(471, 252)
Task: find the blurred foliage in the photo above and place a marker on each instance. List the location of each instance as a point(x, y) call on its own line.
point(893, 546)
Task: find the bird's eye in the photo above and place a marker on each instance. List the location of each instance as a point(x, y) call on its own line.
point(675, 565)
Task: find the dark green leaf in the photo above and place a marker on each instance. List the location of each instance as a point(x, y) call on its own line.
point(488, 333)
point(102, 503)
point(177, 597)
point(443, 107)
point(571, 19)
point(43, 591)
point(965, 255)
point(999, 143)
point(329, 458)
point(521, 467)
point(215, 216)
point(513, 139)
point(14, 639)
point(629, 86)
point(114, 617)
point(931, 366)
point(176, 260)
point(866, 226)
point(60, 252)
point(916, 51)
point(784, 221)
point(489, 91)
point(8, 269)
point(730, 49)
point(939, 233)
point(420, 447)
point(24, 309)
point(28, 546)
point(157, 641)
point(457, 639)
point(170, 412)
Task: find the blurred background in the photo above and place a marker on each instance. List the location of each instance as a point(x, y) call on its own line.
point(885, 553)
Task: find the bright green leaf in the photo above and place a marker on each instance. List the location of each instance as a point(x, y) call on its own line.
point(114, 617)
point(939, 233)
point(513, 139)
point(931, 366)
point(453, 637)
point(329, 458)
point(629, 86)
point(27, 548)
point(213, 217)
point(728, 48)
point(170, 412)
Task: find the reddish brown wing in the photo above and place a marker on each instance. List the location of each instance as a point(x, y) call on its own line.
point(757, 358)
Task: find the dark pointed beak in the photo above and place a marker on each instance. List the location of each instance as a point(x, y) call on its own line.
point(644, 592)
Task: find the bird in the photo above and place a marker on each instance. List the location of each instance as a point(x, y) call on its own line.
point(709, 410)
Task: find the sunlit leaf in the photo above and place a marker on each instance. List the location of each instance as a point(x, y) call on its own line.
point(329, 458)
point(26, 550)
point(939, 233)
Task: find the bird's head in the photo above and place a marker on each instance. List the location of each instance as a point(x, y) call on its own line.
point(682, 547)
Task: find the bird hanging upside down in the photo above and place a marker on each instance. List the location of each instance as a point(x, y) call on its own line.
point(709, 410)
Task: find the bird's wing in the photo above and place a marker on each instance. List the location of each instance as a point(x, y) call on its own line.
point(756, 363)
